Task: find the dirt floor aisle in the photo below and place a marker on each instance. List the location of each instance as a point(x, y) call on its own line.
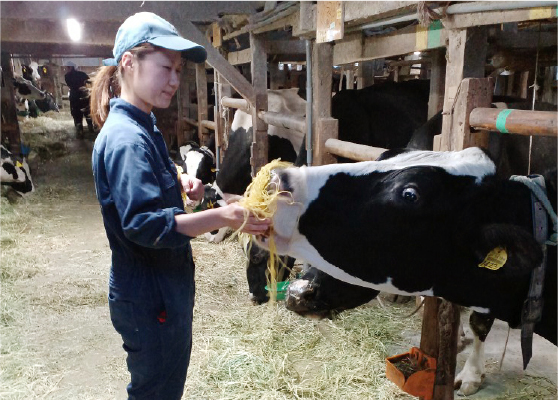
point(71, 349)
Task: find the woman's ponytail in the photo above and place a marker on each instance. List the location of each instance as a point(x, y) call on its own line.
point(106, 85)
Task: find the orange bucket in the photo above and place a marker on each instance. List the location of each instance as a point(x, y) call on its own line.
point(413, 372)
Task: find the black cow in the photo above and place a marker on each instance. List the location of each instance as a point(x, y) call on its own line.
point(420, 223)
point(14, 172)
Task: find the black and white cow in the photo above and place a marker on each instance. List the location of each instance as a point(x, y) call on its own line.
point(14, 173)
point(420, 223)
point(29, 98)
point(199, 162)
point(234, 175)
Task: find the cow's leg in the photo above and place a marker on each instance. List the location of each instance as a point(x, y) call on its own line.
point(469, 380)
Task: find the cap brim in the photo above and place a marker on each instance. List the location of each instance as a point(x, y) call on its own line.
point(190, 50)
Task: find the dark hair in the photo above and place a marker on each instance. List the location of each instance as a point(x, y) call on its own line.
point(107, 84)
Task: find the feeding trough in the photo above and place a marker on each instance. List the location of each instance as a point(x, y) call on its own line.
point(413, 372)
point(281, 289)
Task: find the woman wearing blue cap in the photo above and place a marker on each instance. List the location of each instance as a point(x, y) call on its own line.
point(151, 287)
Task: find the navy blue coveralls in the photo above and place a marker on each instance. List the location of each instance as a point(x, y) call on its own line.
point(151, 286)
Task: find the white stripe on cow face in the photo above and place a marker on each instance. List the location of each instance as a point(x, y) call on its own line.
point(303, 250)
point(469, 162)
point(193, 160)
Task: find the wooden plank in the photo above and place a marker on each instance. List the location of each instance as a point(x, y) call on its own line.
point(520, 122)
point(466, 55)
point(366, 74)
point(323, 126)
point(201, 90)
point(258, 70)
point(460, 21)
point(329, 25)
point(360, 12)
point(217, 61)
point(353, 151)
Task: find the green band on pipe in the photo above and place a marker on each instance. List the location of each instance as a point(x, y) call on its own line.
point(433, 39)
point(501, 120)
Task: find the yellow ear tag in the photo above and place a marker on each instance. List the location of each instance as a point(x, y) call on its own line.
point(19, 165)
point(495, 259)
point(213, 169)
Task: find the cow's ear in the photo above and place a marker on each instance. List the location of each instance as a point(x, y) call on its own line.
point(506, 248)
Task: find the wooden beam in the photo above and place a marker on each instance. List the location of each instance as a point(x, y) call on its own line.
point(258, 70)
point(467, 20)
point(520, 122)
point(217, 61)
point(236, 103)
point(240, 57)
point(330, 24)
point(353, 151)
point(355, 48)
point(323, 126)
point(284, 120)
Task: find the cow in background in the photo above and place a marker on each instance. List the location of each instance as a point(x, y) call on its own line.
point(235, 174)
point(199, 161)
point(14, 173)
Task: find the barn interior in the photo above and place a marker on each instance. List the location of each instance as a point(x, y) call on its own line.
point(469, 52)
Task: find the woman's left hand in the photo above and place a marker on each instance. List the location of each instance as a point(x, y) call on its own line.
point(192, 186)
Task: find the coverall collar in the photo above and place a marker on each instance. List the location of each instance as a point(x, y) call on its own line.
point(147, 121)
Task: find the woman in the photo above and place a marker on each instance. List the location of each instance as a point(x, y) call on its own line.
point(151, 287)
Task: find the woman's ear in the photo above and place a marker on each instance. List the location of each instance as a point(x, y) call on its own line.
point(127, 60)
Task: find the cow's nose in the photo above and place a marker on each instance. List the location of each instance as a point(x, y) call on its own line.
point(298, 293)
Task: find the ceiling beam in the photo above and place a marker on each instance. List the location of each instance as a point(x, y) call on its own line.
point(118, 11)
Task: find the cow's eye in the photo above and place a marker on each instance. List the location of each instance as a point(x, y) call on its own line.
point(410, 194)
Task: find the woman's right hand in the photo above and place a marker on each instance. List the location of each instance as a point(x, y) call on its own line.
point(235, 216)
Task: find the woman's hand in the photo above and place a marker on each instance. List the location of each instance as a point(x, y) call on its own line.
point(193, 187)
point(235, 216)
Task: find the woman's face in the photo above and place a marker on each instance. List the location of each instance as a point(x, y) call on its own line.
point(153, 80)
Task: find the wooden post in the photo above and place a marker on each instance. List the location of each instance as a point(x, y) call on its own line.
point(475, 92)
point(201, 90)
point(276, 76)
point(259, 82)
point(323, 126)
point(366, 74)
point(437, 79)
point(350, 76)
point(10, 127)
point(225, 91)
point(448, 331)
point(466, 55)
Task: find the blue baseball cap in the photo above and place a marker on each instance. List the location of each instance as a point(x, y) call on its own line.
point(146, 27)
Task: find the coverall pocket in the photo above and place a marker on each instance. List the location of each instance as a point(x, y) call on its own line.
point(124, 321)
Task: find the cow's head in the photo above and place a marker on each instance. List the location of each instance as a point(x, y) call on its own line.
point(398, 225)
point(199, 162)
